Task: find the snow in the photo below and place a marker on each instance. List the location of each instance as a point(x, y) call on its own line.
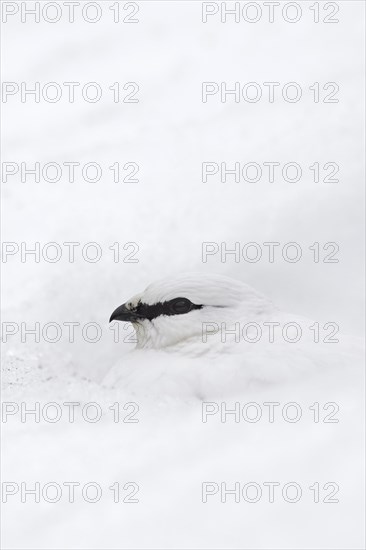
point(170, 452)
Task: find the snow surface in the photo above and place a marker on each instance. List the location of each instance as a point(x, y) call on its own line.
point(169, 213)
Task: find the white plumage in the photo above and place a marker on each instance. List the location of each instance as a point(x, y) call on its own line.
point(224, 347)
point(223, 300)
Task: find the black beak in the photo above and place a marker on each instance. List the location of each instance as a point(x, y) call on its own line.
point(123, 314)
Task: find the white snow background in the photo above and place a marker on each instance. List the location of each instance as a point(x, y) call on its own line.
point(169, 213)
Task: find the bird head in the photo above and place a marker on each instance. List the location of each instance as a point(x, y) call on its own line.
point(174, 311)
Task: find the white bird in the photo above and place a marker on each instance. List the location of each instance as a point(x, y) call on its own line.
point(222, 336)
point(174, 312)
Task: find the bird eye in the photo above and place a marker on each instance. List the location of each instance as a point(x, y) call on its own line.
point(181, 305)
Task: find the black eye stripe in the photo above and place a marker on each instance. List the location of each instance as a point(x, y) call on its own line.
point(177, 306)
